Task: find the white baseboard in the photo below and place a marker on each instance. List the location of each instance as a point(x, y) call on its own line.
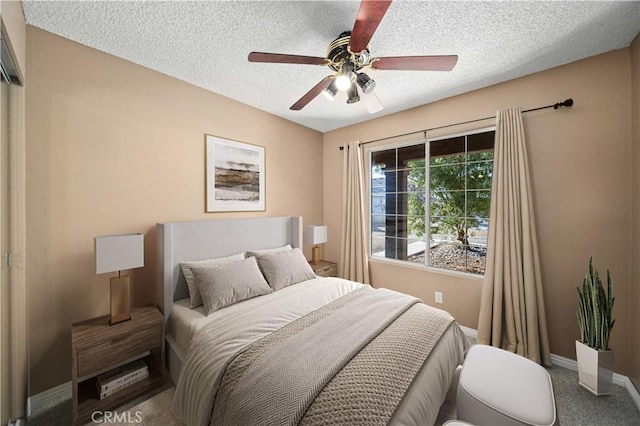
point(471, 334)
point(49, 398)
point(570, 364)
point(635, 395)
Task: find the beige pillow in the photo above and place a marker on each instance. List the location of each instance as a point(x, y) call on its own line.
point(284, 268)
point(268, 251)
point(194, 295)
point(225, 284)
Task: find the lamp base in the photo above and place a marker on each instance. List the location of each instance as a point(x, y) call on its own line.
point(315, 255)
point(119, 300)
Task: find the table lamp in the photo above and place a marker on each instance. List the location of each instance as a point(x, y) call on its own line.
point(315, 234)
point(119, 253)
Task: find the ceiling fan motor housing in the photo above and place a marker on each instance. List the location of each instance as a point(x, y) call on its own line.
point(338, 52)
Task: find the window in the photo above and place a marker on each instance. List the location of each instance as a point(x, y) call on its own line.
point(444, 183)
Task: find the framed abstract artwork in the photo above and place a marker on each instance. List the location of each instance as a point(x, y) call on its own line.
point(235, 175)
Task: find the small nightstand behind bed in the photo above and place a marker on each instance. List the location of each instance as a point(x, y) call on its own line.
point(325, 269)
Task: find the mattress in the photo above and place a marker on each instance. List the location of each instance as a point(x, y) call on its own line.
point(239, 325)
point(183, 323)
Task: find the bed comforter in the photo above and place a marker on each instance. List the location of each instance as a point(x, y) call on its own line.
point(352, 359)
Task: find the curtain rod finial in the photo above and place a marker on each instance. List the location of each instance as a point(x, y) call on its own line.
point(566, 103)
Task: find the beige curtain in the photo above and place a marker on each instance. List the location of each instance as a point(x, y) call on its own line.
point(354, 261)
point(512, 312)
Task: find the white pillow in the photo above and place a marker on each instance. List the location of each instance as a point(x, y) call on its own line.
point(281, 269)
point(225, 284)
point(268, 251)
point(194, 295)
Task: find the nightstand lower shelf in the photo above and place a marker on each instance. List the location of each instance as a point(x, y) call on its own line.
point(89, 401)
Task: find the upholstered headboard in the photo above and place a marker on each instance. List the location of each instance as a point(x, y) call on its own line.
point(197, 240)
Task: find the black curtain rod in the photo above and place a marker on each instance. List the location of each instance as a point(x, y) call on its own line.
point(566, 103)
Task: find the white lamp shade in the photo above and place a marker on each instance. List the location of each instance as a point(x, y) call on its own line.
point(119, 252)
point(315, 234)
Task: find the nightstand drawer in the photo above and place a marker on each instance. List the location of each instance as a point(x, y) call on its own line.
point(112, 351)
point(325, 269)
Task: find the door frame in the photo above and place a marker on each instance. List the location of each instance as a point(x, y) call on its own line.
point(18, 345)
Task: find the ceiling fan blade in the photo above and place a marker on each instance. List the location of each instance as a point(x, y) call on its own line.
point(278, 58)
point(311, 94)
point(369, 16)
point(417, 63)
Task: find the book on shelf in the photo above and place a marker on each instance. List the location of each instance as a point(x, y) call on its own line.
point(122, 375)
point(117, 388)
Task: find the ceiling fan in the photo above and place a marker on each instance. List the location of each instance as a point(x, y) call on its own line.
point(349, 53)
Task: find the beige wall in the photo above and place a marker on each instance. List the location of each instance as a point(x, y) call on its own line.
point(634, 312)
point(580, 164)
point(113, 147)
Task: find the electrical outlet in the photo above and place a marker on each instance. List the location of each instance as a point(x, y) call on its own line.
point(439, 298)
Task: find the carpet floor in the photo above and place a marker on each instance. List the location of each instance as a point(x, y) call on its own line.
point(575, 405)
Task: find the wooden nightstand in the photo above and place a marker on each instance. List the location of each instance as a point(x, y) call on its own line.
point(325, 269)
point(98, 347)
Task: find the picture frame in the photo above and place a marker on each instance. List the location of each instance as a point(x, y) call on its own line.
point(235, 175)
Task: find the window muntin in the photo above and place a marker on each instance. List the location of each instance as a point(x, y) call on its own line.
point(444, 183)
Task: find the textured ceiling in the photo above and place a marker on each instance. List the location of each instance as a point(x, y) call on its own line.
point(206, 43)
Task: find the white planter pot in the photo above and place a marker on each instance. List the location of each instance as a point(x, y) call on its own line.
point(595, 369)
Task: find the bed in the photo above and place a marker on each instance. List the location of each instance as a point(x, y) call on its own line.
point(319, 351)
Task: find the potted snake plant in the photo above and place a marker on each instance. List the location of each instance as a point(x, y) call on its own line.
point(595, 358)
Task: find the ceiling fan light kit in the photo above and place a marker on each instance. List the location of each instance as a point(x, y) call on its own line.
point(352, 94)
point(348, 54)
point(366, 83)
point(331, 90)
point(345, 76)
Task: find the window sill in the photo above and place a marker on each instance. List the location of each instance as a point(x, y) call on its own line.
point(422, 267)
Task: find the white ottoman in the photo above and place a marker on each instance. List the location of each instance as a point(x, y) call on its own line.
point(457, 423)
point(500, 388)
